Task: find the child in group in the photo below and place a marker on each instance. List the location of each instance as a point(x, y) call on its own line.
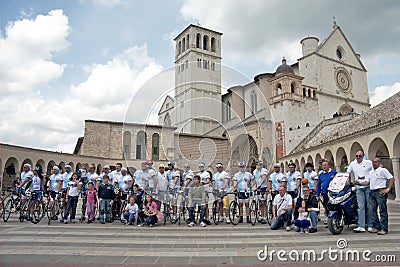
point(131, 212)
point(138, 195)
point(90, 201)
point(149, 215)
point(72, 196)
point(303, 222)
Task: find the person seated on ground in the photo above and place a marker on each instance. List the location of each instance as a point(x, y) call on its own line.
point(149, 215)
point(131, 212)
point(282, 210)
point(310, 208)
point(196, 196)
point(302, 223)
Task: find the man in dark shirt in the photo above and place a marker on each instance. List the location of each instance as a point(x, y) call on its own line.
point(311, 207)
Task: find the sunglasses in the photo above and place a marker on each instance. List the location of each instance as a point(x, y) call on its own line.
point(358, 156)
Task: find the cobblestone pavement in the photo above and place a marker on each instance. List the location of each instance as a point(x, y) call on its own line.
point(25, 244)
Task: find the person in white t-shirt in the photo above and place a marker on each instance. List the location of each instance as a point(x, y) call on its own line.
point(360, 168)
point(241, 182)
point(72, 195)
point(205, 180)
point(260, 180)
point(161, 187)
point(221, 187)
point(282, 210)
point(131, 214)
point(311, 176)
point(115, 174)
point(381, 181)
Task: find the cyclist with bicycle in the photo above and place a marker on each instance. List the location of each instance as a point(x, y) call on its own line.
point(173, 177)
point(221, 187)
point(151, 176)
point(66, 177)
point(55, 186)
point(241, 184)
point(141, 177)
point(294, 181)
point(35, 187)
point(124, 184)
point(26, 180)
point(205, 179)
point(261, 182)
point(161, 187)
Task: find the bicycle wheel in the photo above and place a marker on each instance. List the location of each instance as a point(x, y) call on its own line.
point(23, 212)
point(37, 211)
point(215, 212)
point(1, 206)
point(121, 217)
point(270, 215)
point(9, 208)
point(234, 212)
point(166, 213)
point(253, 212)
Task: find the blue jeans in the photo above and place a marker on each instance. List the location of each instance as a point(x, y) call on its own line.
point(72, 203)
point(105, 209)
point(147, 219)
point(363, 204)
point(314, 219)
point(202, 211)
point(280, 221)
point(301, 224)
point(130, 217)
point(377, 200)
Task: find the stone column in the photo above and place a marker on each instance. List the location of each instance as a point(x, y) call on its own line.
point(396, 175)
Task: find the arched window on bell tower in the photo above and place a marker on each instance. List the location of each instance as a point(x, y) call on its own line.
point(213, 44)
point(198, 40)
point(253, 101)
point(205, 42)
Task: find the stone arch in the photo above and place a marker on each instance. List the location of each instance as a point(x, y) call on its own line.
point(41, 164)
point(183, 44)
point(10, 172)
point(353, 150)
point(297, 164)
point(61, 165)
point(141, 141)
point(244, 149)
point(341, 159)
point(25, 162)
point(50, 165)
point(317, 159)
point(179, 47)
point(309, 92)
point(205, 42)
point(302, 164)
point(167, 120)
point(345, 109)
point(198, 40)
point(286, 166)
point(310, 159)
point(127, 140)
point(187, 41)
point(396, 147)
point(329, 157)
point(279, 89)
point(378, 148)
point(304, 92)
point(293, 88)
point(213, 49)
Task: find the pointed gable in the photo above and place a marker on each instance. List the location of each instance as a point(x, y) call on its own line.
point(337, 47)
point(167, 105)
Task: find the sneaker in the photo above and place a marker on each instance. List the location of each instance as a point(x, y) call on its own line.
point(72, 221)
point(228, 221)
point(370, 229)
point(312, 230)
point(191, 224)
point(359, 230)
point(62, 221)
point(130, 223)
point(66, 222)
point(248, 219)
point(151, 225)
point(288, 228)
point(207, 222)
point(222, 219)
point(373, 230)
point(263, 221)
point(124, 223)
point(202, 224)
point(102, 222)
point(240, 219)
point(381, 232)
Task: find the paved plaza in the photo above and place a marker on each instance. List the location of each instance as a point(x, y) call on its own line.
point(25, 244)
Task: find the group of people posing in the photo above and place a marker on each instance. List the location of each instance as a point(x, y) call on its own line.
point(141, 197)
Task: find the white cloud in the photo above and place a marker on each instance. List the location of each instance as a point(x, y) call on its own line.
point(32, 119)
point(383, 92)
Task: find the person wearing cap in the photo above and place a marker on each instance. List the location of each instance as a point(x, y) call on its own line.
point(100, 180)
point(294, 180)
point(54, 184)
point(275, 180)
point(205, 180)
point(66, 176)
point(161, 187)
point(173, 177)
point(187, 178)
point(26, 176)
point(261, 182)
point(221, 187)
point(311, 176)
point(241, 182)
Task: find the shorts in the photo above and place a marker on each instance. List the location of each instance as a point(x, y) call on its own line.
point(53, 194)
point(173, 193)
point(243, 197)
point(64, 193)
point(36, 195)
point(292, 194)
point(124, 196)
point(261, 195)
point(163, 196)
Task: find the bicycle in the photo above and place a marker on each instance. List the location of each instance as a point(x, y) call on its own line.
point(234, 209)
point(123, 204)
point(54, 208)
point(270, 199)
point(255, 207)
point(33, 208)
point(12, 203)
point(182, 206)
point(215, 211)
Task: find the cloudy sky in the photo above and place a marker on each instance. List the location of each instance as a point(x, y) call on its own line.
point(62, 62)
